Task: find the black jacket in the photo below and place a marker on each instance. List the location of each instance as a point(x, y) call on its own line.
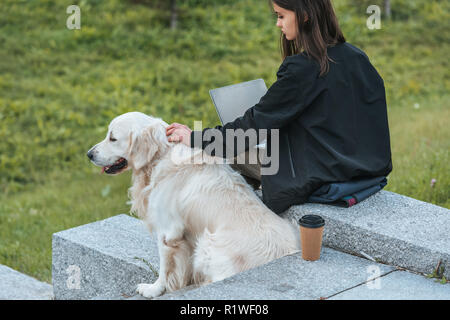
point(332, 128)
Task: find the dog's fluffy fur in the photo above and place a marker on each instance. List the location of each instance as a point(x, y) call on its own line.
point(208, 221)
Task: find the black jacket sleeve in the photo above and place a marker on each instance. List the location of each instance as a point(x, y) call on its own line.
point(282, 103)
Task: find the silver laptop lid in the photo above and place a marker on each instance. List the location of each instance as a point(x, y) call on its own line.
point(231, 102)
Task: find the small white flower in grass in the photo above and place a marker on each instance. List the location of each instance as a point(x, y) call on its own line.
point(416, 106)
point(433, 182)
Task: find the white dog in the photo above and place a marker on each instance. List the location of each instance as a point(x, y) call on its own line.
point(208, 221)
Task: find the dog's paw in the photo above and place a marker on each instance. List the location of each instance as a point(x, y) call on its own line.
point(150, 290)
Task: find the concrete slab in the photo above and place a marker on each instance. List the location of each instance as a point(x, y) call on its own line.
point(391, 228)
point(106, 258)
point(112, 256)
point(290, 277)
point(398, 285)
point(18, 286)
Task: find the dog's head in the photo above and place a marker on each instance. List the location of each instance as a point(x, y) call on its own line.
point(132, 141)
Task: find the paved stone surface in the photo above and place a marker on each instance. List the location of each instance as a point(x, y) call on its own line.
point(106, 258)
point(398, 285)
point(290, 277)
point(18, 286)
point(139, 297)
point(113, 255)
point(391, 228)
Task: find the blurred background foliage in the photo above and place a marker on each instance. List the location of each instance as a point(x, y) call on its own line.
point(60, 88)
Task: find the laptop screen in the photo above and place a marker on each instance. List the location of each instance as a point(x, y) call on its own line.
point(232, 101)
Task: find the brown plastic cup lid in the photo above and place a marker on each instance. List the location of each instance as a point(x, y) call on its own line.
point(311, 221)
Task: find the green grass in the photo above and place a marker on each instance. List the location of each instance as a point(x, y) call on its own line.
point(60, 88)
point(68, 199)
point(420, 141)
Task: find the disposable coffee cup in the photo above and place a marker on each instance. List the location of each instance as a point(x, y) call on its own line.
point(311, 231)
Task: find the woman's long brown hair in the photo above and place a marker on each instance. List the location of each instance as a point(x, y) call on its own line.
point(320, 31)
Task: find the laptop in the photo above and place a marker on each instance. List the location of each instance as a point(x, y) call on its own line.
point(232, 101)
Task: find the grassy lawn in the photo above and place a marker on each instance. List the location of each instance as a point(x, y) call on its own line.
point(60, 88)
point(420, 141)
point(66, 200)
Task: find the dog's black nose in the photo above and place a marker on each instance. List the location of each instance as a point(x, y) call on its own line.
point(90, 155)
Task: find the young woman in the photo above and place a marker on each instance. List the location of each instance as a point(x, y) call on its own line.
point(328, 103)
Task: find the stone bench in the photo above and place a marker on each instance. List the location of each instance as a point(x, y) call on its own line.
point(18, 286)
point(388, 227)
point(107, 259)
point(335, 276)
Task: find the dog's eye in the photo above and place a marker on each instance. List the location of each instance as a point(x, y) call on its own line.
point(112, 139)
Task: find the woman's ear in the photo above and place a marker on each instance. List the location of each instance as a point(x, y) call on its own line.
point(146, 144)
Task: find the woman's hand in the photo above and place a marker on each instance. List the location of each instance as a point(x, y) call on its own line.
point(177, 132)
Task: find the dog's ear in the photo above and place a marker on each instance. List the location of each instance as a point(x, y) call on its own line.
point(146, 144)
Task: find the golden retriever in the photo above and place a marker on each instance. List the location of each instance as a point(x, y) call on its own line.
point(209, 223)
